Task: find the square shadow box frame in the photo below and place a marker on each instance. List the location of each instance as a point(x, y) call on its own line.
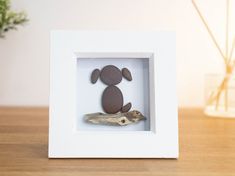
point(150, 57)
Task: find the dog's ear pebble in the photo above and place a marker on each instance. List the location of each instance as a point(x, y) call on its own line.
point(126, 74)
point(95, 75)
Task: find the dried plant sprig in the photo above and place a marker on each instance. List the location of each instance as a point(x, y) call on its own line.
point(227, 57)
point(209, 31)
point(231, 51)
point(8, 19)
point(226, 52)
point(227, 29)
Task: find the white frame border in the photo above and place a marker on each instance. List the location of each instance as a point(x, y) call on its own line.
point(66, 142)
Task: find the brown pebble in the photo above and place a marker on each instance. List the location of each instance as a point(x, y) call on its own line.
point(126, 74)
point(126, 108)
point(111, 75)
point(112, 100)
point(95, 75)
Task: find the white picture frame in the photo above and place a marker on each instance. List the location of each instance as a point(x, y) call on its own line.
point(69, 137)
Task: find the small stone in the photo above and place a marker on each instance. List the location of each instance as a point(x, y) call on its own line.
point(111, 75)
point(112, 100)
point(126, 74)
point(126, 108)
point(95, 75)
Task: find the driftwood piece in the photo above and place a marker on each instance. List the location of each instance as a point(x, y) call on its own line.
point(119, 119)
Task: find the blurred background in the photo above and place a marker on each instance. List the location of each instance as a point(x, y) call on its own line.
point(25, 53)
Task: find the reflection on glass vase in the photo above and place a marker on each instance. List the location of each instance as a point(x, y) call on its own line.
point(220, 95)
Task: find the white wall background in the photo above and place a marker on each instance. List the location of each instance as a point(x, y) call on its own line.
point(24, 54)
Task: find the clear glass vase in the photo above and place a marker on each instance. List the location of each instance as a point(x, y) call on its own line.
point(220, 95)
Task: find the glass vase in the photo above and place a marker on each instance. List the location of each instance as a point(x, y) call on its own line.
point(220, 95)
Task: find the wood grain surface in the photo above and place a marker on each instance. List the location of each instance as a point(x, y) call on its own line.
point(207, 147)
